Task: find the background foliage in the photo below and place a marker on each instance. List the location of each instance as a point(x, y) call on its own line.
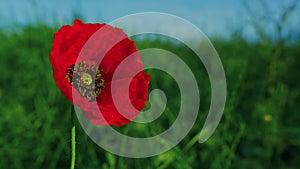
point(259, 128)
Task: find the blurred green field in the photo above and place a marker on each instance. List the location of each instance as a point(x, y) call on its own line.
point(259, 128)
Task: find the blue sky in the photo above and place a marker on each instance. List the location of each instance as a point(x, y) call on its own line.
point(213, 17)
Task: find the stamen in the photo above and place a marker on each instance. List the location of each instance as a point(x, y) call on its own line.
point(80, 77)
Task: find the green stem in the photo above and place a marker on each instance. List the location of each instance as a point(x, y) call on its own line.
point(73, 141)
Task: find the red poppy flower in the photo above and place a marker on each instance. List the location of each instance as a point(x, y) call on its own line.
point(75, 63)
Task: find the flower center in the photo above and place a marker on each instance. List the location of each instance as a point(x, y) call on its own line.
point(86, 78)
point(80, 77)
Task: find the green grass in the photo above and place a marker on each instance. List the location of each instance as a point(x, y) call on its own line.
point(259, 128)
